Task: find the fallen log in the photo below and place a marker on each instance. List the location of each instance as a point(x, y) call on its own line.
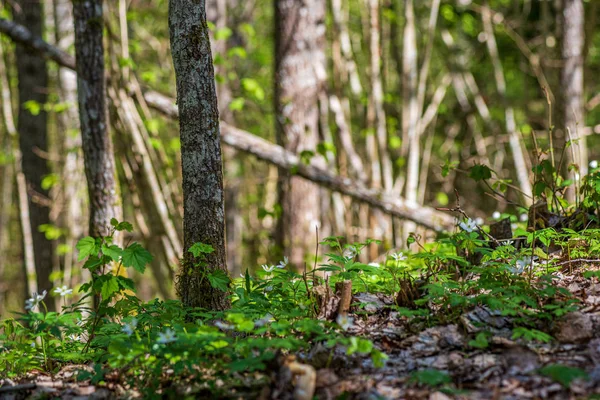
point(247, 142)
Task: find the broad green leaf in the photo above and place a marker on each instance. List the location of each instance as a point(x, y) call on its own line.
point(109, 287)
point(113, 251)
point(137, 257)
point(87, 247)
point(219, 279)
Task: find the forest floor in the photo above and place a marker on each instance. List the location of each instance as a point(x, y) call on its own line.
point(501, 368)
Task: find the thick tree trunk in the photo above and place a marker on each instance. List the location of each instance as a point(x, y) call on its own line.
point(103, 190)
point(570, 118)
point(32, 128)
point(299, 76)
point(204, 219)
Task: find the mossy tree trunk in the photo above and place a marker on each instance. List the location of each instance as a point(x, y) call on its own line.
point(204, 215)
point(99, 161)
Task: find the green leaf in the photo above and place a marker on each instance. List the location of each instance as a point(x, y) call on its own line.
point(430, 377)
point(200, 248)
point(93, 263)
point(253, 87)
point(219, 279)
point(563, 374)
point(237, 104)
point(109, 287)
point(87, 247)
point(114, 252)
point(121, 226)
point(137, 257)
point(480, 172)
point(480, 341)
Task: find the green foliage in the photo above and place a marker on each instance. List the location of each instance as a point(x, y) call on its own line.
point(430, 377)
point(563, 374)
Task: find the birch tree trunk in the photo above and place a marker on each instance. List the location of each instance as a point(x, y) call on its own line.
point(570, 118)
point(299, 76)
point(33, 140)
point(204, 219)
point(99, 161)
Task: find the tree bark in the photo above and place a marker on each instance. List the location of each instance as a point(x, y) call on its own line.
point(299, 77)
point(99, 161)
point(204, 219)
point(33, 138)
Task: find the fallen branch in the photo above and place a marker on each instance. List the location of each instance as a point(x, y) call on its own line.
point(262, 149)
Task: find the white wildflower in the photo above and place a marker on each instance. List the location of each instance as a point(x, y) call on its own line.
point(268, 268)
point(283, 264)
point(398, 256)
point(129, 328)
point(468, 226)
point(593, 164)
point(496, 215)
point(63, 291)
point(167, 337)
point(223, 326)
point(374, 264)
point(523, 217)
point(350, 252)
point(264, 320)
point(269, 288)
point(35, 300)
point(522, 264)
point(75, 338)
point(344, 321)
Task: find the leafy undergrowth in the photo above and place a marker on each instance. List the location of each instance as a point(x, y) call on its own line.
point(469, 316)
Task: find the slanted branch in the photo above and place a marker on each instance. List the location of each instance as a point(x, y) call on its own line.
point(244, 141)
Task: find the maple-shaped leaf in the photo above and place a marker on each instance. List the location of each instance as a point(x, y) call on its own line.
point(87, 246)
point(219, 279)
point(137, 257)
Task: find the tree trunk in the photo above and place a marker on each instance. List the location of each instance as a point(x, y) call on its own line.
point(570, 118)
point(299, 76)
point(204, 219)
point(99, 161)
point(33, 141)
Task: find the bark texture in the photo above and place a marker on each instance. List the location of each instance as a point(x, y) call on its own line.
point(204, 219)
point(299, 77)
point(98, 154)
point(33, 138)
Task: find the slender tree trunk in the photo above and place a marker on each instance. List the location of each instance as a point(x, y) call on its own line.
point(569, 113)
point(33, 140)
point(103, 190)
point(299, 77)
point(204, 219)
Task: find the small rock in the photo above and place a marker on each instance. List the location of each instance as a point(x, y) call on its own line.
point(574, 327)
point(438, 396)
